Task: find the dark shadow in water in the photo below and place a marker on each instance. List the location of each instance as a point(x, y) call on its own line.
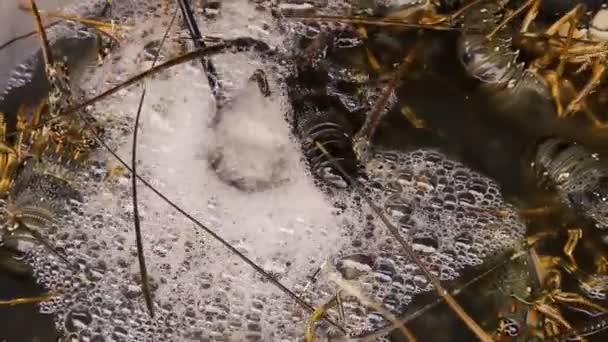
point(23, 323)
point(78, 51)
point(468, 124)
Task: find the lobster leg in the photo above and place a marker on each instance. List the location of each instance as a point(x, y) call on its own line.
point(577, 300)
point(423, 13)
point(554, 78)
point(574, 235)
point(556, 87)
point(530, 16)
point(507, 19)
point(573, 14)
point(598, 73)
point(572, 18)
point(371, 57)
point(362, 140)
point(316, 315)
point(601, 265)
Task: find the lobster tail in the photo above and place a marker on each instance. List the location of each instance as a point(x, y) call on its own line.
point(327, 145)
point(577, 174)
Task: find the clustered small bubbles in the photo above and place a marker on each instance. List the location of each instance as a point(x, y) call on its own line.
point(203, 292)
point(453, 217)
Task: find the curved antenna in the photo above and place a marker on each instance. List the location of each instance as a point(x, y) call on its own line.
point(23, 36)
point(197, 38)
point(236, 44)
point(145, 285)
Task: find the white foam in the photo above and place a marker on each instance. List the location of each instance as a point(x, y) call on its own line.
point(287, 225)
point(288, 228)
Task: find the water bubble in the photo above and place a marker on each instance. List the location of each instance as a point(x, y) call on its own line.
point(78, 319)
point(351, 267)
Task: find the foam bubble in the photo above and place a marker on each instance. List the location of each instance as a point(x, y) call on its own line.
point(203, 292)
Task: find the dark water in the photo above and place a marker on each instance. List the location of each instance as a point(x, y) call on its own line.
point(23, 323)
point(15, 22)
point(467, 123)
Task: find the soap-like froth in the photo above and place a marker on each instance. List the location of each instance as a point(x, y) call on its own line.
point(203, 292)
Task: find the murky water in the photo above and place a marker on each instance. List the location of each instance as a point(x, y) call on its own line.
point(259, 194)
point(16, 23)
point(22, 322)
point(467, 125)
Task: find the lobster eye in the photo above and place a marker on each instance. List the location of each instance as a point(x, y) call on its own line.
point(466, 58)
point(91, 143)
point(509, 327)
point(56, 127)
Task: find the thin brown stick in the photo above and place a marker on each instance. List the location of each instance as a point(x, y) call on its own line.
point(562, 60)
point(25, 35)
point(418, 313)
point(556, 38)
point(197, 53)
point(37, 237)
point(586, 50)
point(44, 42)
point(28, 300)
point(145, 283)
point(154, 70)
point(564, 19)
point(92, 22)
point(407, 248)
point(370, 21)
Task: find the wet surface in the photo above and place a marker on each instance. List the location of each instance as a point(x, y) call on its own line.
point(16, 23)
point(461, 121)
point(23, 323)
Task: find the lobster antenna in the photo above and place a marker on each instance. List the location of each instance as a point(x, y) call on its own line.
point(44, 42)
